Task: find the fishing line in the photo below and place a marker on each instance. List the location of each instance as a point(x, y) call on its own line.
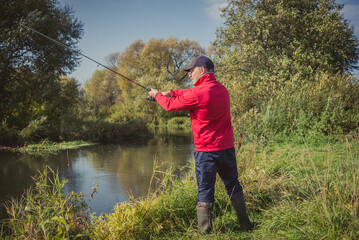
point(89, 58)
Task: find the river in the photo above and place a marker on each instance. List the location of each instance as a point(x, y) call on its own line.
point(118, 170)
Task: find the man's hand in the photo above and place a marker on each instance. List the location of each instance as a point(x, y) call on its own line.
point(167, 93)
point(153, 92)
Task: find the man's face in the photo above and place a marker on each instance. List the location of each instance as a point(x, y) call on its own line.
point(195, 73)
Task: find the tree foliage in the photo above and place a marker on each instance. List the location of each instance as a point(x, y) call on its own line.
point(290, 35)
point(31, 65)
point(156, 64)
point(159, 58)
point(102, 89)
point(273, 53)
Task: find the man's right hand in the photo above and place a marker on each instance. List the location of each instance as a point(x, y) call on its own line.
point(167, 93)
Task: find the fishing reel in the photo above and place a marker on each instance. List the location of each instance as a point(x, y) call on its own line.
point(150, 98)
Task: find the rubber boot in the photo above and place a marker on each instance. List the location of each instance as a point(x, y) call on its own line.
point(239, 206)
point(204, 217)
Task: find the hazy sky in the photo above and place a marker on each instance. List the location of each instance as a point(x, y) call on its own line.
point(112, 25)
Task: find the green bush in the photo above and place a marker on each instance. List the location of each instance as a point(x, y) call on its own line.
point(35, 130)
point(105, 132)
point(8, 136)
point(171, 207)
point(327, 104)
point(179, 121)
point(44, 212)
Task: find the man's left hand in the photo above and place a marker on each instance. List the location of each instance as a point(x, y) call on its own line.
point(153, 92)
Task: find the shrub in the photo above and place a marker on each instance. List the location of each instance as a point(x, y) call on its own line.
point(35, 130)
point(326, 104)
point(179, 121)
point(44, 212)
point(8, 137)
point(170, 208)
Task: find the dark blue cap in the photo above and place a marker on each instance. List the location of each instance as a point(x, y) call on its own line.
point(201, 61)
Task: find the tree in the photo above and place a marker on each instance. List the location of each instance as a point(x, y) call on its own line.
point(180, 53)
point(155, 64)
point(272, 53)
point(159, 58)
point(102, 89)
point(68, 96)
point(295, 33)
point(31, 65)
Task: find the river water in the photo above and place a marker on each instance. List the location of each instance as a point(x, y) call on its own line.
point(118, 170)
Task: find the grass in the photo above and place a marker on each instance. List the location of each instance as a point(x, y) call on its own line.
point(44, 212)
point(48, 147)
point(305, 192)
point(293, 191)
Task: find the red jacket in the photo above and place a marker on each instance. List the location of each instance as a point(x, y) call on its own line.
point(209, 108)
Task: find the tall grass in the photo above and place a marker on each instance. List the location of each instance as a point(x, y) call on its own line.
point(44, 212)
point(306, 191)
point(293, 191)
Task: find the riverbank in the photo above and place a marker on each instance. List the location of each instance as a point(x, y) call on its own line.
point(293, 191)
point(43, 136)
point(131, 135)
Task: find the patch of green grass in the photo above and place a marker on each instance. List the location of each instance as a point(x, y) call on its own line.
point(293, 191)
point(44, 212)
point(305, 191)
point(48, 147)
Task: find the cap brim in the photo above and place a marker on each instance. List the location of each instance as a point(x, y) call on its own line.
point(188, 68)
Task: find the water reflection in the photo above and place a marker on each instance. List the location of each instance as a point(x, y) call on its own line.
point(117, 169)
point(16, 172)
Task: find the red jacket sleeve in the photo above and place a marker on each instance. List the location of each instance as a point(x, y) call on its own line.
point(179, 92)
point(182, 99)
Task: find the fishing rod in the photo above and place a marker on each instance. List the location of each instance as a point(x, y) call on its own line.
point(149, 98)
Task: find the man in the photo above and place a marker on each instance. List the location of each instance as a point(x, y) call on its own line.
point(208, 104)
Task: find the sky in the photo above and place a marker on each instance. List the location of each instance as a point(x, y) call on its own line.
point(110, 26)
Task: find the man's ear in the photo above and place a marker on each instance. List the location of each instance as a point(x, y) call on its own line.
point(203, 70)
